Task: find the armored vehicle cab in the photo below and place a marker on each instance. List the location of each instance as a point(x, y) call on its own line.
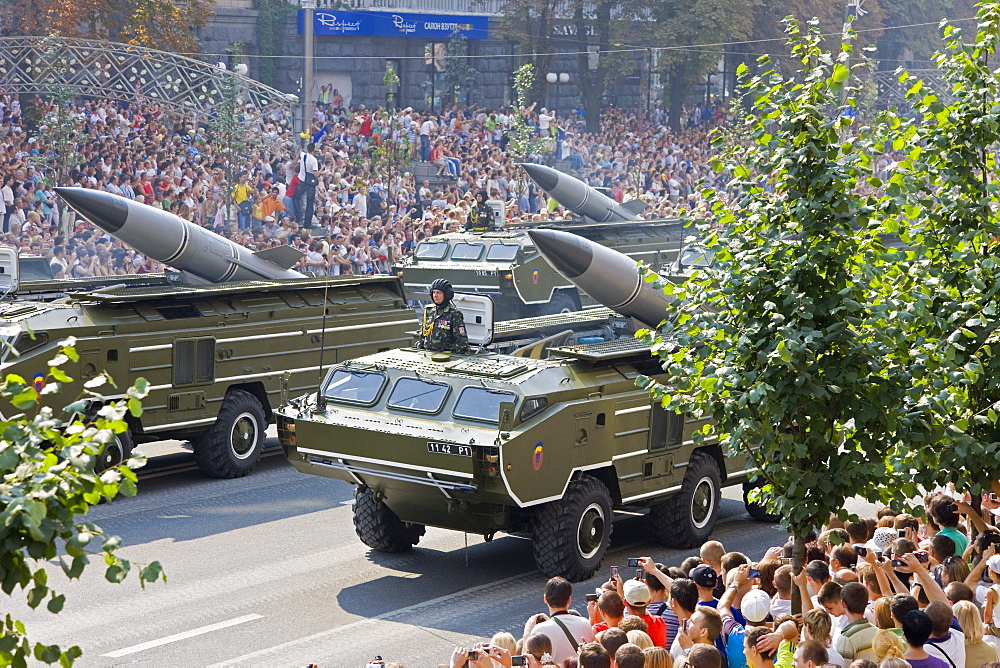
point(213, 354)
point(504, 443)
point(504, 263)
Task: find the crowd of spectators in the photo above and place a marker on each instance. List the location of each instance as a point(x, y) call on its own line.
point(365, 213)
point(889, 591)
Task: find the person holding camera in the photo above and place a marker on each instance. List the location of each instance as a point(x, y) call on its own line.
point(566, 630)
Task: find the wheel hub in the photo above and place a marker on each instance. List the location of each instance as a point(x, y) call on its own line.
point(702, 502)
point(111, 455)
point(590, 533)
point(244, 435)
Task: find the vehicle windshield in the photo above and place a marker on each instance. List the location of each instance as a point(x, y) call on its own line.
point(480, 403)
point(413, 394)
point(466, 251)
point(501, 253)
point(431, 251)
point(356, 387)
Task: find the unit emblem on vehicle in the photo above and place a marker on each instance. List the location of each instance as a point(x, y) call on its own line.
point(536, 459)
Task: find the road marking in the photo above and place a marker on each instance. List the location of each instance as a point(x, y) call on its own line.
point(182, 636)
point(361, 622)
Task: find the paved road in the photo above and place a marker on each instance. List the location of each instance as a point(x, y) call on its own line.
point(267, 571)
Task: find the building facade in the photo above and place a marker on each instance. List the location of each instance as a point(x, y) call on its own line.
point(355, 41)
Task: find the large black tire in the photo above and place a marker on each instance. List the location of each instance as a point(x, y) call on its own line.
point(232, 446)
point(117, 452)
point(379, 528)
point(756, 510)
point(687, 518)
point(572, 535)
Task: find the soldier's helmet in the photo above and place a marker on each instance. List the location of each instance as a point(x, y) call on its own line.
point(444, 285)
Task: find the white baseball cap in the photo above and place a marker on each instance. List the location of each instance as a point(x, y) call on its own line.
point(756, 605)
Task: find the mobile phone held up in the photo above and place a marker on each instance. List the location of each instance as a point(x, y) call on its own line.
point(518, 661)
point(614, 571)
point(633, 562)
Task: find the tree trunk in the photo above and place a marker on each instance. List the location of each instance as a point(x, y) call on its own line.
point(798, 563)
point(675, 102)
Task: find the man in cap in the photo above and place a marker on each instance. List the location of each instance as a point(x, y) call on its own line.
point(442, 328)
point(637, 597)
point(706, 578)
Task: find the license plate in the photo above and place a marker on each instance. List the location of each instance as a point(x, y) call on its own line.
point(449, 449)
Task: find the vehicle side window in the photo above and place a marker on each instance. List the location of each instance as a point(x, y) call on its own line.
point(30, 340)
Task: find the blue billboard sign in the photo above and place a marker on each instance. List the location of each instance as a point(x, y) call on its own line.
point(395, 24)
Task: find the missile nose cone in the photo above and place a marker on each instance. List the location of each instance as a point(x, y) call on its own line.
point(546, 177)
point(569, 254)
point(109, 212)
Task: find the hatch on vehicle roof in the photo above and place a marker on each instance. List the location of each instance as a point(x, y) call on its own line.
point(489, 367)
point(478, 313)
point(9, 273)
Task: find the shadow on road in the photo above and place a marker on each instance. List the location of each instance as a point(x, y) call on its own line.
point(500, 567)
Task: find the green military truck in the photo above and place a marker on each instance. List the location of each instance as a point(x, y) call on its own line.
point(505, 265)
point(213, 354)
point(549, 442)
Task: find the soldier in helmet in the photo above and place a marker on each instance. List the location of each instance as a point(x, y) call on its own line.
point(442, 328)
point(481, 216)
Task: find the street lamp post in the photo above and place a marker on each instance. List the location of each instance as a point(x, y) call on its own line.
point(556, 79)
point(307, 87)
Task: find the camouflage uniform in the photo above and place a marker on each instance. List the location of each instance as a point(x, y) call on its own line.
point(480, 219)
point(442, 329)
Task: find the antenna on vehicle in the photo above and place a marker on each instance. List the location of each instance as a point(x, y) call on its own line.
point(320, 397)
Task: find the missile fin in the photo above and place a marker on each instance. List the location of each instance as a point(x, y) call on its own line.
point(284, 257)
point(635, 206)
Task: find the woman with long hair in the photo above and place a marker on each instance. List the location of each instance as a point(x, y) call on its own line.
point(977, 650)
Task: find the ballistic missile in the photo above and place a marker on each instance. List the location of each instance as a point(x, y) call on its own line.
point(610, 277)
point(179, 243)
point(580, 198)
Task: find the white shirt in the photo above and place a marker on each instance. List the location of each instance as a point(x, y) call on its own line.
point(360, 203)
point(579, 628)
point(307, 164)
point(543, 121)
point(952, 647)
point(426, 127)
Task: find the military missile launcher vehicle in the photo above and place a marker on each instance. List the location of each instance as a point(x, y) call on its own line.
point(504, 263)
point(548, 442)
point(213, 354)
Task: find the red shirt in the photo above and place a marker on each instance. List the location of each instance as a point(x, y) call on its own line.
point(656, 629)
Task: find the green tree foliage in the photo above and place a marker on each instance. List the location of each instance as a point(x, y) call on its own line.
point(155, 24)
point(676, 25)
point(544, 27)
point(941, 199)
point(460, 75)
point(778, 343)
point(47, 482)
point(523, 140)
